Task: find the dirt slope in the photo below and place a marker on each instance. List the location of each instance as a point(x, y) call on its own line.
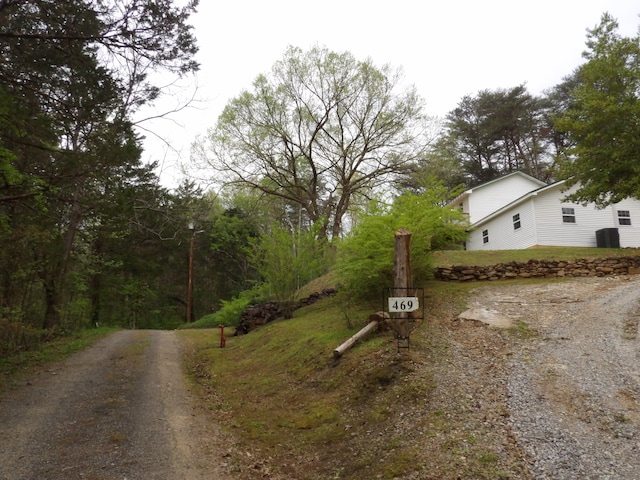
point(119, 410)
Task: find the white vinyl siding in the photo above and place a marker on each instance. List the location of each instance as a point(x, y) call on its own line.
point(552, 231)
point(488, 198)
point(463, 206)
point(629, 234)
point(541, 218)
point(502, 234)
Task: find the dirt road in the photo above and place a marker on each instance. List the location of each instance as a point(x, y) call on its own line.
point(119, 410)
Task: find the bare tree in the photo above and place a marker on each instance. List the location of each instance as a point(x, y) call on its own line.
point(321, 131)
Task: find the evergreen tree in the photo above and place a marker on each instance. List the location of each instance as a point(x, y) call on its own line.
point(71, 75)
point(494, 133)
point(602, 119)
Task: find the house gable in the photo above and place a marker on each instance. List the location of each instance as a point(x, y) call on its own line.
point(513, 229)
point(480, 201)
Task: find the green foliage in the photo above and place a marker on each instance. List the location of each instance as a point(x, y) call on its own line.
point(287, 260)
point(442, 162)
point(17, 337)
point(75, 199)
point(320, 132)
point(494, 133)
point(230, 311)
point(603, 119)
point(230, 237)
point(366, 256)
point(45, 348)
point(228, 315)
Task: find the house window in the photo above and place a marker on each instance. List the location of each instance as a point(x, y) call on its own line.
point(485, 236)
point(516, 221)
point(624, 217)
point(568, 215)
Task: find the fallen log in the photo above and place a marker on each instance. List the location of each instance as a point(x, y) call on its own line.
point(371, 326)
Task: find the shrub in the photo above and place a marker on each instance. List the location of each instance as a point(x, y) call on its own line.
point(288, 259)
point(230, 311)
point(365, 257)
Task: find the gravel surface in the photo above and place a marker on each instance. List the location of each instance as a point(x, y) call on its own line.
point(119, 410)
point(573, 390)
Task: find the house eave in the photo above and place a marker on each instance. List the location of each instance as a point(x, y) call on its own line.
point(513, 204)
point(469, 191)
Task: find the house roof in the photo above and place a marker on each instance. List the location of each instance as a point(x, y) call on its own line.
point(517, 202)
point(468, 192)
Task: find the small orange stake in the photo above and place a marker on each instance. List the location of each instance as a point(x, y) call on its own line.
point(223, 339)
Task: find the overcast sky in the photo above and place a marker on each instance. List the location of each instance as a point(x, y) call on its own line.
point(447, 49)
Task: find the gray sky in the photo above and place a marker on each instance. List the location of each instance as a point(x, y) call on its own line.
point(447, 49)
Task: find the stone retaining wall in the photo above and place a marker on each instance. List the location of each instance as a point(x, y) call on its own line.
point(599, 267)
point(262, 313)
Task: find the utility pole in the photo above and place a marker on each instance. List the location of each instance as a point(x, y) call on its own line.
point(190, 284)
point(194, 232)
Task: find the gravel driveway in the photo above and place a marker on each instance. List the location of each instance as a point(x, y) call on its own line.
point(574, 386)
point(119, 410)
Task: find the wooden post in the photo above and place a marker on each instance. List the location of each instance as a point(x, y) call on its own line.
point(371, 326)
point(376, 321)
point(402, 277)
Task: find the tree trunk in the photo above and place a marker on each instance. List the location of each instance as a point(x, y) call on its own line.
point(55, 279)
point(52, 312)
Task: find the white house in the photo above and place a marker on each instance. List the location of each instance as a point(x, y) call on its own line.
point(480, 201)
point(503, 217)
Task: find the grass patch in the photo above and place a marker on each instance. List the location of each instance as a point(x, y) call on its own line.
point(281, 388)
point(522, 330)
point(442, 298)
point(287, 400)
